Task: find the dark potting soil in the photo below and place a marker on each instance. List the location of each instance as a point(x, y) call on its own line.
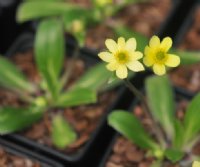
point(188, 77)
point(127, 154)
point(11, 160)
point(144, 18)
point(84, 119)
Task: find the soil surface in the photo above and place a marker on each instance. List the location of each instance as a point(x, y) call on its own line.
point(144, 18)
point(10, 160)
point(188, 77)
point(127, 154)
point(84, 119)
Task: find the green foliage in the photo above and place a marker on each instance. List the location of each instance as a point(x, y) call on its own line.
point(174, 155)
point(62, 133)
point(76, 97)
point(130, 127)
point(12, 78)
point(161, 101)
point(49, 52)
point(14, 119)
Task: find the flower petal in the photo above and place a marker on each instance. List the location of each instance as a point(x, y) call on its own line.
point(122, 72)
point(111, 45)
point(112, 66)
point(106, 56)
point(172, 60)
point(196, 164)
point(154, 41)
point(148, 61)
point(159, 69)
point(135, 55)
point(121, 43)
point(166, 44)
point(135, 66)
point(131, 44)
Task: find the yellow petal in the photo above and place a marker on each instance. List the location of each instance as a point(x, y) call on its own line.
point(111, 45)
point(131, 44)
point(172, 60)
point(148, 61)
point(166, 44)
point(159, 69)
point(135, 55)
point(196, 164)
point(135, 66)
point(154, 41)
point(106, 56)
point(122, 72)
point(112, 66)
point(121, 43)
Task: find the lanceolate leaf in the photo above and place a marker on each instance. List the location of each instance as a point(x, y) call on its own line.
point(191, 120)
point(62, 134)
point(188, 57)
point(36, 9)
point(130, 127)
point(12, 78)
point(125, 32)
point(161, 101)
point(49, 51)
point(75, 97)
point(179, 133)
point(15, 119)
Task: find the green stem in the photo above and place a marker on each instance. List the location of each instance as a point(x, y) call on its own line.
point(156, 129)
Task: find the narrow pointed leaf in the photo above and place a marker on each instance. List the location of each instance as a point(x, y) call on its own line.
point(36, 9)
point(12, 78)
point(130, 127)
point(16, 119)
point(75, 97)
point(49, 51)
point(179, 134)
point(191, 120)
point(161, 101)
point(62, 133)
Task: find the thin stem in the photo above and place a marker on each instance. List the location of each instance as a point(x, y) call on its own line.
point(157, 131)
point(70, 68)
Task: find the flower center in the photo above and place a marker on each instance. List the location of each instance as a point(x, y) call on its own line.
point(122, 57)
point(160, 56)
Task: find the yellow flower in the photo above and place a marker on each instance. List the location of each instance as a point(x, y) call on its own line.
point(103, 2)
point(156, 55)
point(122, 55)
point(196, 164)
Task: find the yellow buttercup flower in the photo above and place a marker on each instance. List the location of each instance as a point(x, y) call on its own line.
point(103, 2)
point(122, 55)
point(196, 164)
point(156, 55)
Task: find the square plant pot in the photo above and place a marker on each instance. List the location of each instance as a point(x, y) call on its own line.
point(186, 78)
point(12, 154)
point(98, 138)
point(122, 152)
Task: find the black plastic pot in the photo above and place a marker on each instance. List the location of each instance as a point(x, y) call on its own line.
point(23, 152)
point(96, 146)
point(110, 147)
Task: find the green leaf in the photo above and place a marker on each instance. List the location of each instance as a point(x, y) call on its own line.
point(37, 9)
point(179, 133)
point(130, 127)
point(62, 133)
point(49, 52)
point(95, 78)
point(75, 97)
point(191, 120)
point(12, 78)
point(188, 57)
point(125, 32)
point(15, 119)
point(174, 155)
point(161, 101)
